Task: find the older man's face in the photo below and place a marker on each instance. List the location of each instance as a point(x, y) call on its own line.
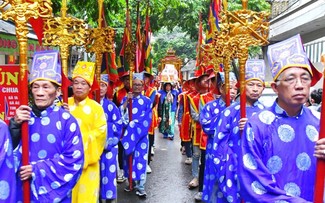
point(293, 87)
point(137, 86)
point(80, 88)
point(44, 93)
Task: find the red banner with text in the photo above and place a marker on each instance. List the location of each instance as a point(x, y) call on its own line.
point(9, 93)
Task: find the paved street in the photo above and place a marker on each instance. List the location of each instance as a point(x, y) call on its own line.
point(169, 178)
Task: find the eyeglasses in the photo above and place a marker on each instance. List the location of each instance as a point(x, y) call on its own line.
point(305, 80)
point(137, 85)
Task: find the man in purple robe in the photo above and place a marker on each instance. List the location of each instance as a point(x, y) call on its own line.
point(135, 137)
point(276, 163)
point(55, 143)
point(7, 174)
point(108, 163)
point(226, 143)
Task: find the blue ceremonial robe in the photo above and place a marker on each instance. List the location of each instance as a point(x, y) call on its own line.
point(276, 163)
point(7, 169)
point(135, 137)
point(226, 148)
point(108, 165)
point(56, 155)
point(209, 117)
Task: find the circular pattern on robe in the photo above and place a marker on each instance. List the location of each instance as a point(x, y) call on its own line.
point(51, 138)
point(112, 168)
point(86, 109)
point(42, 154)
point(68, 177)
point(139, 166)
point(56, 200)
point(114, 117)
point(4, 190)
point(237, 107)
point(227, 112)
point(132, 137)
point(135, 110)
point(9, 164)
point(230, 199)
point(58, 125)
point(266, 117)
point(65, 115)
point(109, 194)
point(220, 194)
point(110, 107)
point(52, 169)
point(221, 179)
point(216, 161)
point(286, 133)
point(235, 130)
point(76, 154)
point(229, 183)
point(136, 153)
point(249, 134)
point(303, 161)
point(139, 130)
point(145, 123)
point(260, 106)
point(140, 101)
point(132, 124)
point(274, 164)
point(249, 161)
point(143, 145)
point(45, 121)
point(220, 122)
point(281, 201)
point(77, 166)
point(35, 137)
point(104, 180)
point(73, 127)
point(42, 190)
point(208, 109)
point(55, 185)
point(221, 135)
point(6, 146)
point(216, 111)
point(109, 155)
point(214, 103)
point(258, 188)
point(31, 121)
point(292, 189)
point(126, 145)
point(312, 133)
point(75, 140)
point(43, 172)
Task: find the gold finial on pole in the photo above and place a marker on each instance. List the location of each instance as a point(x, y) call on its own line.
point(64, 32)
point(99, 41)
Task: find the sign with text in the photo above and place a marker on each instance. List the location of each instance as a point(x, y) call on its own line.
point(9, 93)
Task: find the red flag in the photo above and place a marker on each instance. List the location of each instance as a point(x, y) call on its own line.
point(37, 25)
point(124, 66)
point(138, 51)
point(199, 43)
point(146, 60)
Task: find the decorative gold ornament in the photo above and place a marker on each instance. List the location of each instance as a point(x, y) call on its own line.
point(20, 12)
point(100, 40)
point(64, 32)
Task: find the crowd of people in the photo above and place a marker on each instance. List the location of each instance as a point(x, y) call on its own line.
point(80, 150)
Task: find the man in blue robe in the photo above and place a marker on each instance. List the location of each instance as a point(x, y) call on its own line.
point(7, 175)
point(55, 143)
point(135, 137)
point(108, 163)
point(226, 143)
point(209, 117)
point(276, 163)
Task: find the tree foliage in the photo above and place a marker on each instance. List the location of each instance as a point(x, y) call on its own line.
point(173, 22)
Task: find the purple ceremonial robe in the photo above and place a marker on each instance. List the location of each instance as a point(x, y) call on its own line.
point(135, 137)
point(226, 148)
point(7, 169)
point(209, 117)
point(108, 165)
point(56, 155)
point(276, 163)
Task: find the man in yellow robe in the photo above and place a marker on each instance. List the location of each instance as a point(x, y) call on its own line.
point(91, 119)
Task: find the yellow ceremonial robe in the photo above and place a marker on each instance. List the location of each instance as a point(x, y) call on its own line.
point(91, 119)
